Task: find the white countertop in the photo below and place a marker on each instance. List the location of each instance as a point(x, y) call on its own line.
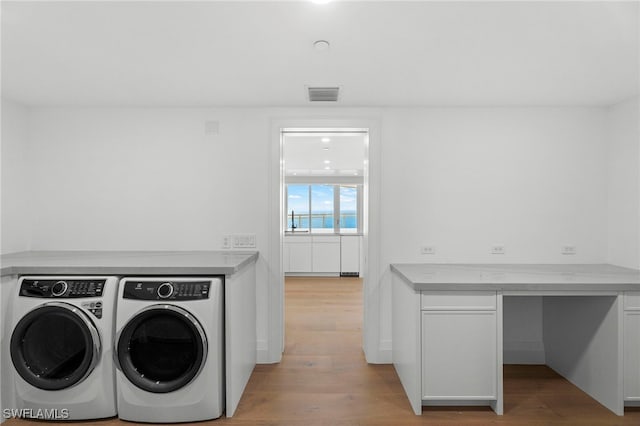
point(519, 277)
point(126, 262)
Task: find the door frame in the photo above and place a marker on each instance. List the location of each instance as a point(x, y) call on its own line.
point(371, 273)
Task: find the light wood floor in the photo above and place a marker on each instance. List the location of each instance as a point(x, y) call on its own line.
point(323, 378)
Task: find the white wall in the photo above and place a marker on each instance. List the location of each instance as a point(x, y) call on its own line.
point(146, 179)
point(623, 140)
point(465, 179)
point(15, 212)
point(533, 179)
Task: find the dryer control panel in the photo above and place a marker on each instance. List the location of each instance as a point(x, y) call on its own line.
point(62, 289)
point(166, 290)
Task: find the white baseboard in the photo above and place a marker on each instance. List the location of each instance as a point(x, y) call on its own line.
point(262, 355)
point(384, 354)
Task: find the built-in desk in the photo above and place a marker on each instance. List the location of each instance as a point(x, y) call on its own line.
point(448, 318)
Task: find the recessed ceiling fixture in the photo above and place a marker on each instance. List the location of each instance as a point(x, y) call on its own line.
point(327, 161)
point(325, 140)
point(321, 45)
point(326, 148)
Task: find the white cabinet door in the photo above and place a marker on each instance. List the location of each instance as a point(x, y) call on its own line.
point(632, 355)
point(298, 250)
point(326, 254)
point(350, 254)
point(459, 359)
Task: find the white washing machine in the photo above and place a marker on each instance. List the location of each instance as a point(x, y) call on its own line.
point(169, 349)
point(61, 347)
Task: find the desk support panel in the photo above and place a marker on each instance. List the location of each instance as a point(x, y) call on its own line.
point(583, 343)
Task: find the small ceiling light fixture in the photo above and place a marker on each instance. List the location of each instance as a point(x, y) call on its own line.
point(326, 148)
point(327, 168)
point(327, 161)
point(325, 140)
point(321, 45)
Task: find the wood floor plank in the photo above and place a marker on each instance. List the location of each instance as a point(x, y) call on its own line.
point(324, 380)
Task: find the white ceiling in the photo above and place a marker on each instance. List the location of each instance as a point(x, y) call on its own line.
point(338, 155)
point(210, 53)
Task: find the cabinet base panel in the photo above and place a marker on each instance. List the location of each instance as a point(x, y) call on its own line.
point(493, 404)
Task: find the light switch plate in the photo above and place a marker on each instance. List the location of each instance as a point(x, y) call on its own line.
point(244, 241)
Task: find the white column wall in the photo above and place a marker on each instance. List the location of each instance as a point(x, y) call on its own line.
point(15, 209)
point(623, 202)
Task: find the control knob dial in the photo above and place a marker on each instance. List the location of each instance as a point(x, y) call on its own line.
point(165, 290)
point(59, 288)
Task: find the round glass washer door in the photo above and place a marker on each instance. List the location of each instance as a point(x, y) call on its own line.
point(55, 346)
point(161, 349)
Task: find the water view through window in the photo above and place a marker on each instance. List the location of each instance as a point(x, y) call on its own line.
point(313, 208)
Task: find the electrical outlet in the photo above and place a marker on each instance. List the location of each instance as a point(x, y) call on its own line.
point(427, 250)
point(498, 249)
point(568, 250)
point(226, 241)
point(244, 241)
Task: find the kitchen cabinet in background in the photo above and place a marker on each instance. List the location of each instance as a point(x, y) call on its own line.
point(322, 255)
point(297, 254)
point(325, 254)
point(350, 255)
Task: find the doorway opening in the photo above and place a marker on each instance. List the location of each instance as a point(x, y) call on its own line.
point(324, 213)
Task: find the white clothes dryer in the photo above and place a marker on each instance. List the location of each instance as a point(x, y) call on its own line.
point(61, 347)
point(169, 349)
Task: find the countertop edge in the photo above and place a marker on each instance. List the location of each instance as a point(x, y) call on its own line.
point(561, 283)
point(97, 269)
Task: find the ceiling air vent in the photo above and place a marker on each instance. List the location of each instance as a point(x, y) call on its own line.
point(323, 94)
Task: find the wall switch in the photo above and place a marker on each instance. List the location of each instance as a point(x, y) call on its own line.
point(428, 250)
point(226, 241)
point(211, 127)
point(498, 249)
point(244, 241)
point(568, 250)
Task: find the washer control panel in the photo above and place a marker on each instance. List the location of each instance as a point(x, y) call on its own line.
point(67, 288)
point(166, 290)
